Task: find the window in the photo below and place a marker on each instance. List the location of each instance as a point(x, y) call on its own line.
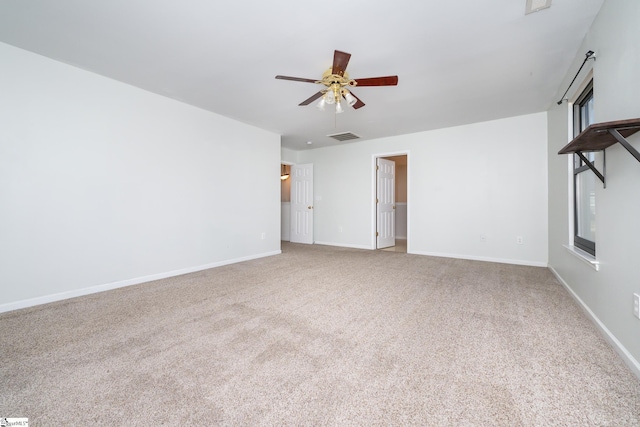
point(584, 180)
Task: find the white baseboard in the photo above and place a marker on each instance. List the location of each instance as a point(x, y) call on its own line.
point(487, 259)
point(123, 283)
point(628, 358)
point(343, 245)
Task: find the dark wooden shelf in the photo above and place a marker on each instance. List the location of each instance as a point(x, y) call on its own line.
point(598, 136)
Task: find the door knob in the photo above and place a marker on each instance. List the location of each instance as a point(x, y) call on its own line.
point(309, 207)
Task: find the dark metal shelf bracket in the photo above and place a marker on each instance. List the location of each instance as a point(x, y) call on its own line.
point(601, 176)
point(621, 139)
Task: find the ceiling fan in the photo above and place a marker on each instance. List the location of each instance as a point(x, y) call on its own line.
point(336, 79)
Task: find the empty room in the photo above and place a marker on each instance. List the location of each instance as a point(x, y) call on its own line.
point(345, 213)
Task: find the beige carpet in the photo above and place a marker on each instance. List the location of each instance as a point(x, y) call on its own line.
point(319, 336)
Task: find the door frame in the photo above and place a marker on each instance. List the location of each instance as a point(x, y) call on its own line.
point(286, 163)
point(374, 194)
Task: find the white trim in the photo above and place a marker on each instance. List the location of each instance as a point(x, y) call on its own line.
point(123, 283)
point(577, 91)
point(570, 207)
point(583, 256)
point(344, 245)
point(627, 357)
point(480, 258)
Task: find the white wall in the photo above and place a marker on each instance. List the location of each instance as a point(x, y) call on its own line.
point(485, 179)
point(288, 156)
point(607, 293)
point(103, 184)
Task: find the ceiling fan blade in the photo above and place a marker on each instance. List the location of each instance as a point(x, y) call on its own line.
point(340, 62)
point(311, 98)
point(358, 104)
point(297, 79)
point(378, 81)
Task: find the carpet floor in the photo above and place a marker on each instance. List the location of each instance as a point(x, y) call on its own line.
point(319, 336)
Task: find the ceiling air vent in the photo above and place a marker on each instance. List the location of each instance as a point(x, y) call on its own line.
point(536, 5)
point(344, 136)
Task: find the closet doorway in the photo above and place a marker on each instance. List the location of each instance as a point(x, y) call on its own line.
point(395, 239)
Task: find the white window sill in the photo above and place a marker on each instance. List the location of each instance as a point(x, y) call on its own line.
point(583, 256)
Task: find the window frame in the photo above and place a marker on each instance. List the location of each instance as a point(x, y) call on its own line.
point(579, 109)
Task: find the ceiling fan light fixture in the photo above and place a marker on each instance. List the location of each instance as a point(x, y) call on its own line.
point(321, 104)
point(339, 108)
point(350, 98)
point(329, 98)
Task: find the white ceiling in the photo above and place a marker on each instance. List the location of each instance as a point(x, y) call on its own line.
point(458, 62)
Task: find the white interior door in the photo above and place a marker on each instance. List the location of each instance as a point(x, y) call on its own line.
point(386, 203)
point(301, 204)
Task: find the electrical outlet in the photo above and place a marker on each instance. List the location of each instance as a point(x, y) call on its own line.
point(636, 305)
point(519, 240)
point(340, 229)
point(264, 235)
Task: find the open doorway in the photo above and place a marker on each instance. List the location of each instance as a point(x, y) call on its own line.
point(391, 208)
